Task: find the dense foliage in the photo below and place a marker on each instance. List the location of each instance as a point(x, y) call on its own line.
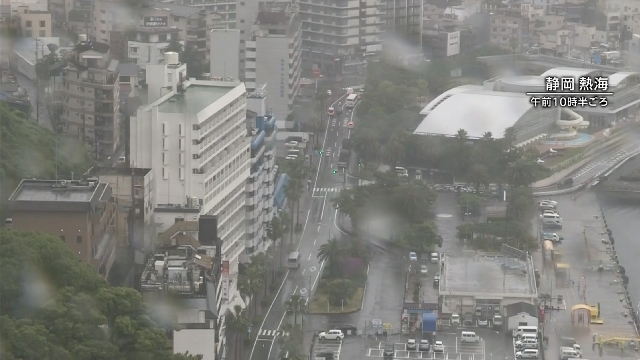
point(29, 151)
point(55, 307)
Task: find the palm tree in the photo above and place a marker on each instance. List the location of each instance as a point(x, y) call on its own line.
point(395, 151)
point(520, 173)
point(487, 136)
point(365, 144)
point(293, 191)
point(236, 321)
point(462, 135)
point(275, 232)
point(331, 253)
point(413, 201)
point(478, 174)
point(355, 247)
point(297, 305)
point(509, 137)
point(251, 283)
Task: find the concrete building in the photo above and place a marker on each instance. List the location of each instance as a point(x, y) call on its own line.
point(225, 64)
point(404, 19)
point(33, 5)
point(274, 56)
point(127, 184)
point(149, 43)
point(480, 284)
point(261, 185)
point(507, 24)
point(228, 9)
point(33, 23)
point(72, 11)
point(194, 137)
point(336, 36)
point(193, 23)
point(521, 314)
point(80, 213)
point(26, 52)
point(129, 81)
point(91, 107)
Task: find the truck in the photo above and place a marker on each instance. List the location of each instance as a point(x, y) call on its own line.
point(343, 158)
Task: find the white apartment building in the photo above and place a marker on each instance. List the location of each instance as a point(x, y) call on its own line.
point(273, 56)
point(261, 182)
point(149, 44)
point(193, 135)
point(337, 33)
point(33, 5)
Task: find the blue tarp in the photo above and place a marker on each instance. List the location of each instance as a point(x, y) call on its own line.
point(278, 196)
point(429, 320)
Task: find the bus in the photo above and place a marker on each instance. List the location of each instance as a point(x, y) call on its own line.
point(294, 260)
point(351, 100)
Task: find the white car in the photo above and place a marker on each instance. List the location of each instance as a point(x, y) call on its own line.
point(554, 203)
point(424, 270)
point(292, 144)
point(552, 212)
point(539, 161)
point(527, 354)
point(329, 92)
point(411, 344)
point(331, 335)
point(547, 206)
point(290, 157)
point(483, 322)
point(413, 256)
point(438, 346)
point(455, 319)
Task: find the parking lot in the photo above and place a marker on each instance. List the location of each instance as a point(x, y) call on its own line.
point(453, 349)
point(327, 346)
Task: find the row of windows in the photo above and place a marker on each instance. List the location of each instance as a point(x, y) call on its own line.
point(213, 186)
point(42, 23)
point(78, 239)
point(29, 33)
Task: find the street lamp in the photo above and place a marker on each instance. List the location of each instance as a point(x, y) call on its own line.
point(342, 305)
point(328, 227)
point(328, 306)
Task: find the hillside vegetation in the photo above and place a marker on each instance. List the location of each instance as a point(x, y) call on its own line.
point(27, 150)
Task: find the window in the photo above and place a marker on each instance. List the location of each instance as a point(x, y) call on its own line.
point(42, 33)
point(164, 128)
point(28, 24)
point(42, 23)
point(165, 173)
point(181, 173)
point(180, 130)
point(79, 239)
point(164, 158)
point(62, 238)
point(133, 50)
point(180, 145)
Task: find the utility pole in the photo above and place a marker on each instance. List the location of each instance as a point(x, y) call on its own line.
point(37, 86)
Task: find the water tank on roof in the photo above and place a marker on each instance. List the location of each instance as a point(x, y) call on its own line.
point(171, 58)
point(82, 37)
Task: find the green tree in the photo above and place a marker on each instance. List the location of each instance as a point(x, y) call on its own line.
point(509, 137)
point(188, 55)
point(478, 174)
point(469, 203)
point(251, 283)
point(297, 305)
point(275, 232)
point(321, 98)
point(293, 192)
point(520, 173)
point(413, 201)
point(365, 144)
point(395, 149)
point(520, 204)
point(355, 247)
point(331, 253)
point(236, 321)
point(341, 290)
point(421, 238)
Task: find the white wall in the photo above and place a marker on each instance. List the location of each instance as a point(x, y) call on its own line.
point(514, 321)
point(272, 69)
point(225, 53)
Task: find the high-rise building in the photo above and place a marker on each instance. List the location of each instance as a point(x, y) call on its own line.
point(193, 135)
point(90, 106)
point(261, 183)
point(147, 44)
point(273, 56)
point(404, 19)
point(336, 35)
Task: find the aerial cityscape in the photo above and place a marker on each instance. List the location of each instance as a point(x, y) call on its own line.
point(319, 179)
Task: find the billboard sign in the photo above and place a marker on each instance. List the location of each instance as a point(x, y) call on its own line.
point(156, 21)
point(225, 268)
point(453, 43)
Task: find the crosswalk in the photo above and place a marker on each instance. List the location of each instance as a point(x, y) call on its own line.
point(356, 87)
point(326, 190)
point(272, 333)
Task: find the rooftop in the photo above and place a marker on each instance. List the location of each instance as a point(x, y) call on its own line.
point(493, 274)
point(473, 109)
point(128, 69)
point(92, 45)
point(195, 99)
point(195, 341)
point(617, 78)
point(63, 195)
point(176, 10)
point(97, 171)
point(157, 30)
point(570, 72)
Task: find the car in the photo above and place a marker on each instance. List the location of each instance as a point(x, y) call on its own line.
point(411, 344)
point(292, 144)
point(438, 346)
point(527, 354)
point(554, 203)
point(346, 328)
point(546, 206)
point(350, 125)
point(539, 161)
point(331, 111)
point(424, 345)
point(388, 351)
point(334, 334)
point(436, 280)
point(552, 212)
point(424, 270)
point(290, 157)
point(329, 92)
point(324, 355)
point(552, 236)
point(455, 319)
point(483, 322)
point(413, 256)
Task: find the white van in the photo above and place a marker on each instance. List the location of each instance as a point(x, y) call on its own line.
point(569, 353)
point(524, 330)
point(402, 172)
point(435, 258)
point(527, 344)
point(528, 336)
point(469, 337)
point(455, 319)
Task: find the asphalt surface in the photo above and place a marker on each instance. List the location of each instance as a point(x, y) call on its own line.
point(31, 88)
point(318, 226)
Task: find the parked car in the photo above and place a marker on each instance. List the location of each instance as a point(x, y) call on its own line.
point(349, 329)
point(413, 256)
point(388, 351)
point(424, 345)
point(483, 322)
point(424, 270)
point(554, 203)
point(438, 346)
point(455, 319)
point(527, 354)
point(329, 92)
point(547, 206)
point(411, 344)
point(552, 236)
point(331, 335)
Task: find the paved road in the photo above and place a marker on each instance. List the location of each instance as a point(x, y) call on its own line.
point(30, 87)
point(318, 227)
point(603, 162)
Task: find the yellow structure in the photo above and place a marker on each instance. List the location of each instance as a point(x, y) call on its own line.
point(592, 314)
point(618, 340)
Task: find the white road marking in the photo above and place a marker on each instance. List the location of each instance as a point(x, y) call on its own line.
point(303, 270)
point(313, 268)
point(294, 292)
point(309, 257)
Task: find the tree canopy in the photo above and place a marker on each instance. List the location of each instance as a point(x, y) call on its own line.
point(53, 306)
point(29, 151)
